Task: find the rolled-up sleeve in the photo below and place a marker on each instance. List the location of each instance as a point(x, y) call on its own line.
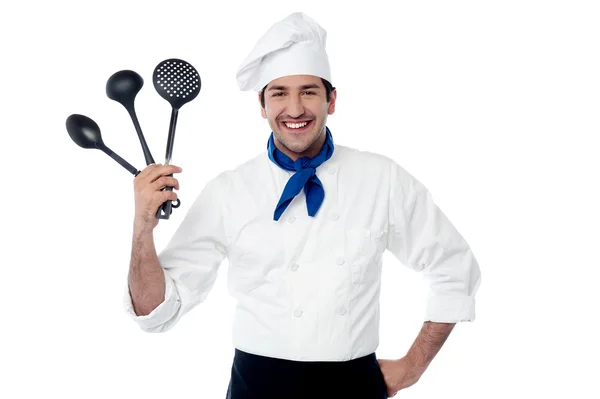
point(190, 261)
point(422, 237)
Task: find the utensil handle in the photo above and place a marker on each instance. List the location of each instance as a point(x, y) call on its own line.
point(165, 209)
point(138, 129)
point(117, 158)
point(171, 138)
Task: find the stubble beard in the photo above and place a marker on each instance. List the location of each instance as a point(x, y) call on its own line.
point(298, 148)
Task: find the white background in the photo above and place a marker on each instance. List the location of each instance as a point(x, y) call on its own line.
point(494, 106)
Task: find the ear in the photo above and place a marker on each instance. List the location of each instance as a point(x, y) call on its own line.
point(331, 108)
point(263, 113)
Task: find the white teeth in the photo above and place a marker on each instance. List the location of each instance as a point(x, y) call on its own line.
point(296, 125)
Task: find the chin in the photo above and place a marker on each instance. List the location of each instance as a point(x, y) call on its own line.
point(296, 140)
point(295, 143)
point(298, 149)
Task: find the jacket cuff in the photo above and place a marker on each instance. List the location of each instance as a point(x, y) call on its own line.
point(450, 309)
point(155, 320)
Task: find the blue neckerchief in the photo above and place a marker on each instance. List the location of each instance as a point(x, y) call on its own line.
point(305, 176)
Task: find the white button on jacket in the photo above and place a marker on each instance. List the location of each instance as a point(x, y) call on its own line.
point(309, 290)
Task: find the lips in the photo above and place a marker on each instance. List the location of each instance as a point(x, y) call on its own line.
point(296, 126)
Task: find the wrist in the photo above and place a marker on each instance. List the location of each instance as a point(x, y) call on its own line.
point(142, 228)
point(416, 362)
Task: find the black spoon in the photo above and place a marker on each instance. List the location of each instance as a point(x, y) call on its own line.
point(179, 83)
point(122, 87)
point(86, 134)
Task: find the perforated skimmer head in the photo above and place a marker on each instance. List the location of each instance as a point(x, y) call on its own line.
point(176, 81)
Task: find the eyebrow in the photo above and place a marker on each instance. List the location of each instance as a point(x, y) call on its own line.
point(303, 87)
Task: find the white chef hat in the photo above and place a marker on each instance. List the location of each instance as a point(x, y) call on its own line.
point(292, 46)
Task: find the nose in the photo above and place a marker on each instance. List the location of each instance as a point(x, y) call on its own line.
point(295, 107)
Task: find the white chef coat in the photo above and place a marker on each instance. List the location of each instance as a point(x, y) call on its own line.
point(307, 288)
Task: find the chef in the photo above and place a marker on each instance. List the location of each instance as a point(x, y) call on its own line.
point(304, 225)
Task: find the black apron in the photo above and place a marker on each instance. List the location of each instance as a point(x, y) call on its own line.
point(260, 377)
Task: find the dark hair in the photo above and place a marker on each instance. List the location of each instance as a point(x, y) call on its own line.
point(328, 89)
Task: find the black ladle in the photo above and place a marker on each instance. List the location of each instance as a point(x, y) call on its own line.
point(178, 82)
point(86, 134)
point(123, 87)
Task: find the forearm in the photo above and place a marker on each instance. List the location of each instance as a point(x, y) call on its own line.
point(146, 278)
point(428, 343)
